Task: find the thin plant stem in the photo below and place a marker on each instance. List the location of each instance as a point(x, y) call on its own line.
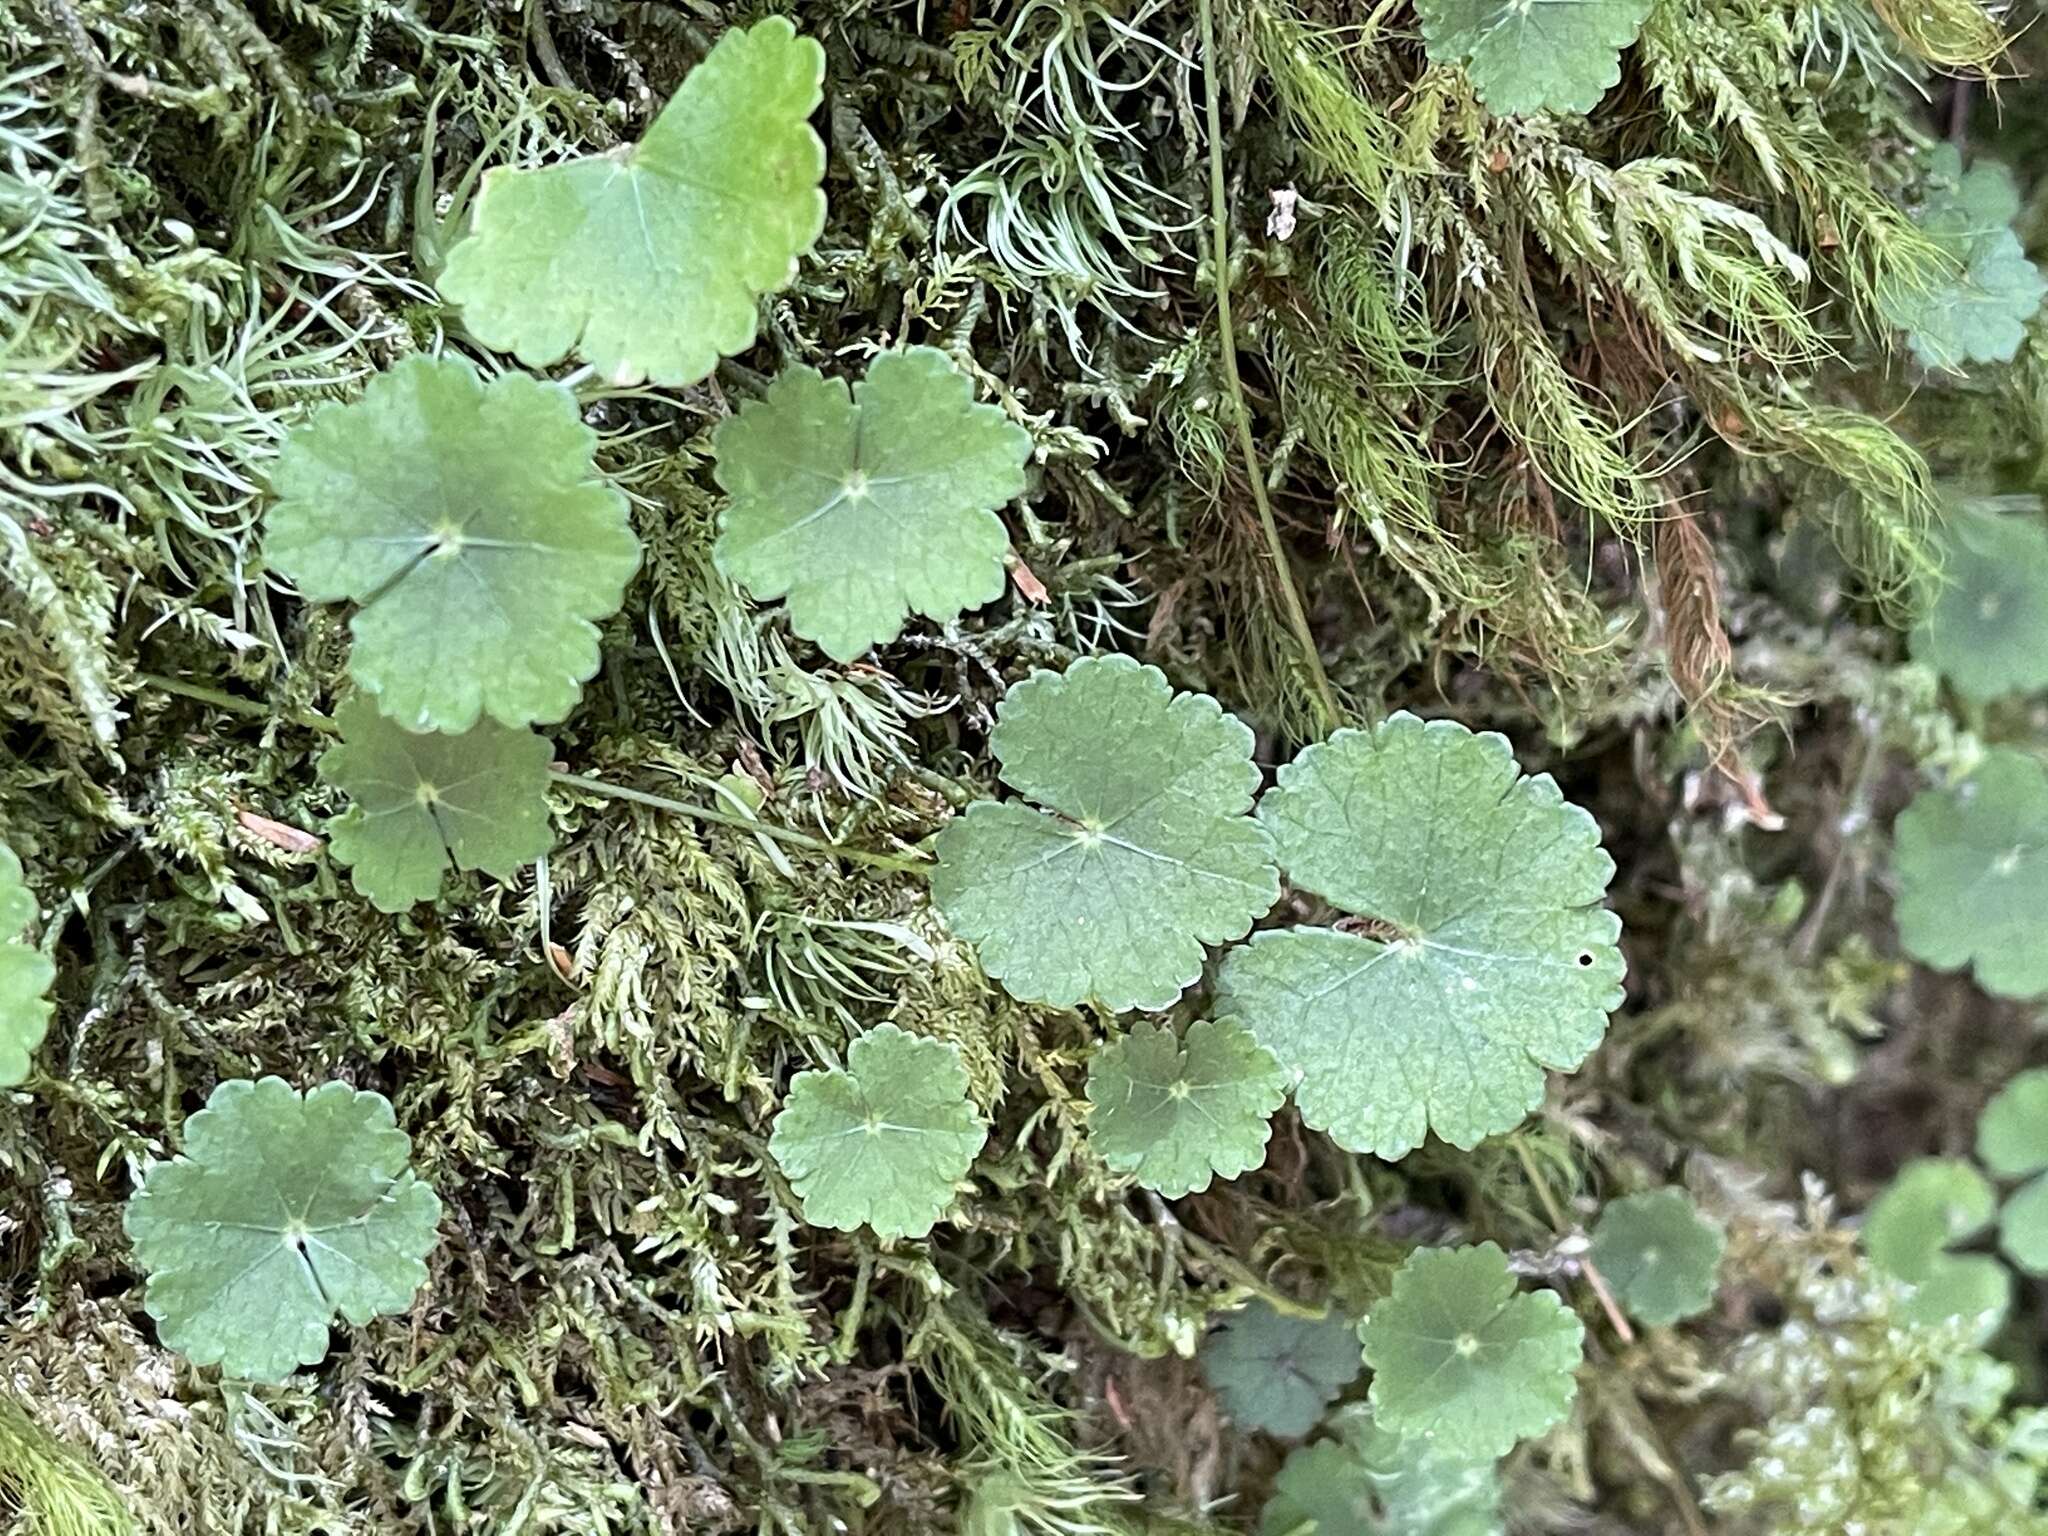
point(1329, 714)
point(900, 863)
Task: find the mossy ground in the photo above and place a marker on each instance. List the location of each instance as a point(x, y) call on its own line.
point(1591, 431)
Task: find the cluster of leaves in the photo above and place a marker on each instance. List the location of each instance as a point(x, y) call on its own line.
point(791, 1165)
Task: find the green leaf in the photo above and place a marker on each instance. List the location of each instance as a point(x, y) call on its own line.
point(1974, 306)
point(864, 508)
point(2012, 1133)
point(1986, 629)
point(470, 523)
point(1533, 55)
point(650, 262)
point(285, 1210)
point(1494, 958)
point(1143, 854)
point(1661, 1256)
point(424, 804)
point(1178, 1112)
point(2023, 1227)
point(1461, 1359)
point(25, 975)
point(1933, 1204)
point(1278, 1373)
point(1972, 864)
point(1372, 1482)
point(884, 1140)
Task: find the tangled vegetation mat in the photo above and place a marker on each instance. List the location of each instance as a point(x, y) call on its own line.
point(1022, 766)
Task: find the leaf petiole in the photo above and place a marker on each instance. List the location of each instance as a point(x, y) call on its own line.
point(901, 863)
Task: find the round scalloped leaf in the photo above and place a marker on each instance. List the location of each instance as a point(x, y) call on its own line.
point(882, 1141)
point(1372, 1482)
point(1660, 1255)
point(1986, 629)
point(1975, 306)
point(865, 508)
point(1972, 865)
point(1144, 851)
point(470, 523)
point(424, 804)
point(1932, 1204)
point(1533, 55)
point(285, 1210)
point(1179, 1111)
point(2012, 1133)
point(1462, 1360)
point(2023, 1227)
point(650, 262)
point(25, 975)
point(1278, 1373)
point(1494, 957)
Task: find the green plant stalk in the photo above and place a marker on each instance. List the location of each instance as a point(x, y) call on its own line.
point(890, 861)
point(1329, 713)
point(256, 709)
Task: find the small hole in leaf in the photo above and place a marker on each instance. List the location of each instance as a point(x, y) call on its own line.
point(1585, 958)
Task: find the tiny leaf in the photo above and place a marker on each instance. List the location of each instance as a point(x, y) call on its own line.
point(468, 521)
point(1660, 1255)
point(1975, 306)
point(1972, 863)
point(862, 509)
point(2023, 1227)
point(883, 1140)
point(1177, 1112)
point(1933, 1204)
point(25, 975)
point(425, 803)
point(2012, 1133)
point(1533, 55)
point(1986, 629)
point(1464, 1361)
point(1495, 959)
point(650, 261)
point(1143, 854)
point(1278, 1373)
point(285, 1210)
point(1372, 1482)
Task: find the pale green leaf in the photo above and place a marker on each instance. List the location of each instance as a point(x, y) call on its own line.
point(1974, 306)
point(423, 804)
point(1659, 1254)
point(1142, 855)
point(1372, 1482)
point(1278, 1373)
point(2012, 1133)
point(285, 1210)
point(1933, 1204)
point(862, 509)
point(1491, 957)
point(882, 1141)
point(469, 522)
point(1972, 864)
point(1463, 1360)
point(2023, 1227)
point(1179, 1111)
point(1533, 55)
point(25, 975)
point(650, 262)
point(1986, 627)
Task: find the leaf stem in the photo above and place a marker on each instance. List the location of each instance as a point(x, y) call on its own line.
point(234, 704)
point(1330, 715)
point(891, 861)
